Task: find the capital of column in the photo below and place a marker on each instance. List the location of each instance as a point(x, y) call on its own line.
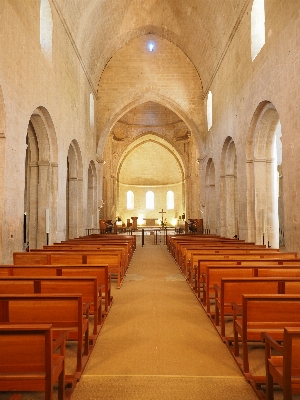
point(201, 162)
point(43, 163)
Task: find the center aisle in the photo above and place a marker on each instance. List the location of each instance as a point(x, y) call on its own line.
point(158, 343)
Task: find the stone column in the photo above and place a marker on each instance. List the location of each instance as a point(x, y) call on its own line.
point(100, 200)
point(43, 201)
point(53, 203)
point(260, 200)
point(73, 207)
point(2, 162)
point(80, 230)
point(202, 188)
point(33, 204)
point(230, 205)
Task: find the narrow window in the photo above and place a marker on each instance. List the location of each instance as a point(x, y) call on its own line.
point(130, 200)
point(150, 200)
point(46, 27)
point(170, 200)
point(258, 37)
point(209, 110)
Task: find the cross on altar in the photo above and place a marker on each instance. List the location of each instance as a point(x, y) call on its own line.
point(162, 212)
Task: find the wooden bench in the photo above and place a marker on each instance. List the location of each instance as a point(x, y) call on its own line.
point(262, 313)
point(231, 290)
point(113, 260)
point(176, 243)
point(214, 274)
point(284, 368)
point(87, 286)
point(64, 312)
point(91, 248)
point(28, 361)
point(191, 256)
point(127, 245)
point(112, 237)
point(203, 265)
point(99, 271)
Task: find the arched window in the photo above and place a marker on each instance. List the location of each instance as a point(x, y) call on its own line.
point(209, 110)
point(170, 200)
point(258, 36)
point(130, 200)
point(92, 111)
point(46, 27)
point(150, 200)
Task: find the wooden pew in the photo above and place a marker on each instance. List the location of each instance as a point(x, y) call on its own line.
point(99, 271)
point(126, 244)
point(27, 359)
point(231, 290)
point(113, 260)
point(262, 313)
point(112, 237)
point(104, 249)
point(190, 254)
point(283, 368)
point(238, 260)
point(190, 267)
point(215, 273)
point(64, 312)
point(88, 287)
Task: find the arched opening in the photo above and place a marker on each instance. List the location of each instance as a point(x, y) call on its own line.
point(150, 169)
point(40, 196)
point(74, 198)
point(264, 160)
point(210, 195)
point(258, 35)
point(130, 200)
point(229, 191)
point(46, 28)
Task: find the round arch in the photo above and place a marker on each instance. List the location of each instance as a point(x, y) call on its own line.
point(263, 176)
point(228, 190)
point(74, 192)
point(41, 180)
point(139, 99)
point(161, 172)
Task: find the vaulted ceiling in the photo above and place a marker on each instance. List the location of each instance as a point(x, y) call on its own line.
point(202, 29)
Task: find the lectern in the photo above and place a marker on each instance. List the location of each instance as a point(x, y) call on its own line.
point(134, 223)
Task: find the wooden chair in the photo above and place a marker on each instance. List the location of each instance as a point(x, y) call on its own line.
point(27, 359)
point(284, 369)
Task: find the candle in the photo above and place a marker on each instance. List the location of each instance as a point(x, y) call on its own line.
point(263, 220)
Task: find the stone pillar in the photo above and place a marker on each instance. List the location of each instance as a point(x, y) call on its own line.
point(53, 203)
point(80, 230)
point(43, 201)
point(100, 200)
point(261, 206)
point(33, 205)
point(73, 207)
point(202, 188)
point(230, 205)
point(2, 162)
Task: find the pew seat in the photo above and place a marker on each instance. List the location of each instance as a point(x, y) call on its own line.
point(28, 361)
point(64, 312)
point(283, 369)
point(262, 313)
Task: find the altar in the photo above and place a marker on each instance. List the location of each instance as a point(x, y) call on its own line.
point(150, 222)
